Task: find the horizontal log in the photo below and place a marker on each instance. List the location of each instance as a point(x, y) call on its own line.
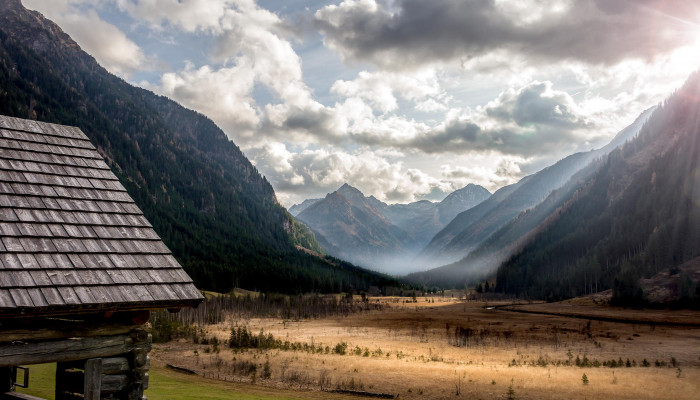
point(364, 394)
point(181, 369)
point(74, 382)
point(114, 383)
point(54, 329)
point(115, 365)
point(64, 350)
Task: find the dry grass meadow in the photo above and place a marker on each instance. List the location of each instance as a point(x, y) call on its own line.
point(445, 348)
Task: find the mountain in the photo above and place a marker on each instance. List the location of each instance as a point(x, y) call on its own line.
point(426, 218)
point(367, 231)
point(296, 209)
point(471, 228)
point(636, 216)
point(208, 203)
point(481, 263)
point(461, 200)
point(355, 228)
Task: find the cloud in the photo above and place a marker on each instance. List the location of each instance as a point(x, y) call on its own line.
point(188, 15)
point(315, 172)
point(489, 170)
point(104, 41)
point(223, 95)
point(529, 121)
point(380, 88)
point(403, 34)
point(249, 49)
point(432, 95)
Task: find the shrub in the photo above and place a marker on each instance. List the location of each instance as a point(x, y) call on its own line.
point(266, 370)
point(584, 379)
point(340, 348)
point(511, 392)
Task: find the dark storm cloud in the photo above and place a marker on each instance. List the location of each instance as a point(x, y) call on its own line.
point(404, 33)
point(318, 122)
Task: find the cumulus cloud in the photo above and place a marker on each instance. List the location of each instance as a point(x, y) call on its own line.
point(224, 95)
point(529, 121)
point(488, 170)
point(380, 88)
point(189, 15)
point(107, 43)
point(401, 34)
point(441, 94)
point(249, 49)
point(314, 172)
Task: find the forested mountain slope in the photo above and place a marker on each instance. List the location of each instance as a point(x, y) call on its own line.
point(470, 229)
point(638, 214)
point(209, 204)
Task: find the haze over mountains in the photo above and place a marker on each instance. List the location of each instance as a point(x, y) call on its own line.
point(381, 236)
point(385, 237)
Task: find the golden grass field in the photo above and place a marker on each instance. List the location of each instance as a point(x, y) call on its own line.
point(404, 350)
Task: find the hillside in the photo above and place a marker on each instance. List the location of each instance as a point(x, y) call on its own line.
point(470, 229)
point(209, 204)
point(636, 216)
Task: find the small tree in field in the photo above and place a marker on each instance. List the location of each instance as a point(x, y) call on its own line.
point(584, 379)
point(511, 392)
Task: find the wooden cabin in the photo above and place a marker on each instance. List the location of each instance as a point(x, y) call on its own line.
point(80, 267)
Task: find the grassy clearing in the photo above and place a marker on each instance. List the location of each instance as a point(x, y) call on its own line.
point(171, 385)
point(434, 348)
point(439, 348)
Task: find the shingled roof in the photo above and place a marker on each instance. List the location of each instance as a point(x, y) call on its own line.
point(71, 237)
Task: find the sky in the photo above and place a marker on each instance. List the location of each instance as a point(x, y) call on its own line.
point(404, 99)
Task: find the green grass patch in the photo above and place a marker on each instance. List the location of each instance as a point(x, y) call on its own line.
point(171, 385)
point(41, 381)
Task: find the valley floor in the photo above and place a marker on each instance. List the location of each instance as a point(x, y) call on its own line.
point(439, 348)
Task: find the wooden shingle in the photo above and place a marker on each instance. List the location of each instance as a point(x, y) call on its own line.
point(71, 237)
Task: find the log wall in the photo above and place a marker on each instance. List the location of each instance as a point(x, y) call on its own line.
point(113, 365)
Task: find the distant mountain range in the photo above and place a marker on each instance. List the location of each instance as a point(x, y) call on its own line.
point(386, 237)
point(415, 237)
point(477, 241)
point(472, 227)
point(628, 221)
point(209, 204)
